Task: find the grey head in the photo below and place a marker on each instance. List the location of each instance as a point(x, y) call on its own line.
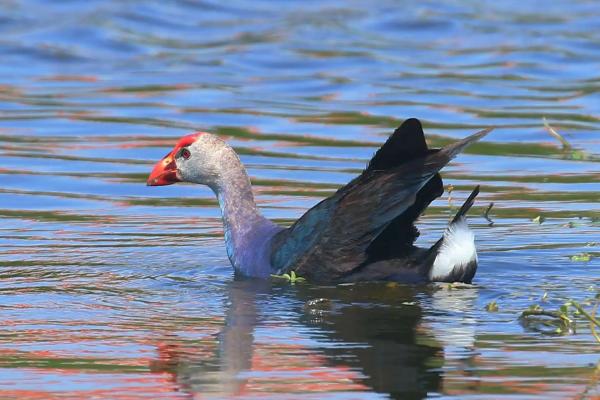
point(205, 159)
point(200, 158)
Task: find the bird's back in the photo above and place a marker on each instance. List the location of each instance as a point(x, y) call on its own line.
point(370, 221)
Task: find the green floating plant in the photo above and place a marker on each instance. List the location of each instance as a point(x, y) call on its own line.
point(492, 306)
point(590, 316)
point(562, 321)
point(458, 285)
point(565, 144)
point(581, 257)
point(572, 153)
point(291, 277)
point(539, 219)
point(558, 322)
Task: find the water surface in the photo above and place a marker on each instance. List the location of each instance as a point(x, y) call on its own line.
point(110, 289)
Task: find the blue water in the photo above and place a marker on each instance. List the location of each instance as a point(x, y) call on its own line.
point(111, 289)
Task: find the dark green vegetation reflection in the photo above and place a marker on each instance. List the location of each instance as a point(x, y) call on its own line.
point(110, 289)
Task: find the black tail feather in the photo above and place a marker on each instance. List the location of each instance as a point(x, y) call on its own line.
point(406, 143)
point(466, 205)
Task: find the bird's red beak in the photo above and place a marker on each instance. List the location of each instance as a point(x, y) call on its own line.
point(164, 172)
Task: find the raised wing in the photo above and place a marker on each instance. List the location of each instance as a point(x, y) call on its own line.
point(331, 239)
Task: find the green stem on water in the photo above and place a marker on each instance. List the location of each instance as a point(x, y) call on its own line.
point(590, 317)
point(585, 313)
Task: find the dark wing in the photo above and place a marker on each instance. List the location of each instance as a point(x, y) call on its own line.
point(405, 144)
point(398, 237)
point(331, 239)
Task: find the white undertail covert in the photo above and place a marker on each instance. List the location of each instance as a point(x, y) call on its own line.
point(456, 252)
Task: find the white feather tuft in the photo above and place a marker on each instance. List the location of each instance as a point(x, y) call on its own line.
point(457, 250)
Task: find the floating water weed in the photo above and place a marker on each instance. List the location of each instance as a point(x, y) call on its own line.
point(291, 277)
point(582, 257)
point(486, 214)
point(539, 219)
point(560, 322)
point(574, 154)
point(492, 306)
point(537, 319)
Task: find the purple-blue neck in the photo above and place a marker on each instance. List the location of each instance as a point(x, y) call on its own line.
point(247, 233)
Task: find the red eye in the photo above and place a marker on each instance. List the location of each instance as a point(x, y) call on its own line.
point(185, 153)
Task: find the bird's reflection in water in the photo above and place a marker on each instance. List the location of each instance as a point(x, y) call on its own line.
point(347, 339)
